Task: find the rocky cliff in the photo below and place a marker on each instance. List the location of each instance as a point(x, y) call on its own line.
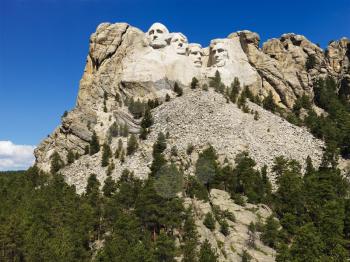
point(124, 63)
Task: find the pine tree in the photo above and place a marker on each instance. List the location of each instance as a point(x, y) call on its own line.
point(143, 133)
point(167, 98)
point(165, 248)
point(56, 162)
point(147, 120)
point(125, 131)
point(160, 145)
point(109, 187)
point(177, 89)
point(216, 81)
point(269, 235)
point(106, 154)
point(307, 246)
point(132, 145)
point(246, 257)
point(194, 83)
point(94, 144)
point(86, 149)
point(206, 253)
point(190, 238)
point(209, 221)
point(70, 157)
point(114, 130)
point(269, 103)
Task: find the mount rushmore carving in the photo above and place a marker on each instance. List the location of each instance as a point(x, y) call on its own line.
point(169, 55)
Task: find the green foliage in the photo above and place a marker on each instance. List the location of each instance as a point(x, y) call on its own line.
point(94, 144)
point(65, 113)
point(207, 253)
point(194, 83)
point(302, 102)
point(125, 130)
point(307, 245)
point(165, 248)
point(70, 157)
point(106, 154)
point(209, 221)
point(269, 104)
point(86, 150)
point(310, 62)
point(189, 149)
point(132, 145)
point(190, 238)
point(143, 133)
point(167, 98)
point(109, 187)
point(224, 228)
point(334, 128)
point(194, 188)
point(56, 162)
point(169, 181)
point(136, 108)
point(177, 89)
point(270, 232)
point(206, 166)
point(216, 83)
point(235, 88)
point(246, 257)
point(160, 145)
point(147, 120)
point(114, 130)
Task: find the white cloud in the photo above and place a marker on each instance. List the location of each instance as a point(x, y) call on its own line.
point(15, 157)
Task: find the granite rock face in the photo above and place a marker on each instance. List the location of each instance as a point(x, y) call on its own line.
point(124, 63)
point(230, 248)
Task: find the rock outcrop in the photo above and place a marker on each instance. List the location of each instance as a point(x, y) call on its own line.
point(127, 64)
point(124, 63)
point(230, 248)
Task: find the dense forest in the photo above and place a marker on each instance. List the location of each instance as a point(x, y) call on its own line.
point(43, 219)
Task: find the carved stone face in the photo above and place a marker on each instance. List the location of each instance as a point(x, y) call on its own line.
point(157, 35)
point(219, 53)
point(179, 43)
point(195, 54)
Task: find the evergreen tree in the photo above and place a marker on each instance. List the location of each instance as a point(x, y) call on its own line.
point(165, 248)
point(216, 82)
point(160, 145)
point(114, 130)
point(70, 157)
point(207, 253)
point(106, 154)
point(147, 120)
point(94, 144)
point(307, 245)
point(235, 88)
point(132, 145)
point(177, 89)
point(143, 134)
point(125, 130)
point(167, 98)
point(209, 221)
point(109, 187)
point(190, 238)
point(56, 162)
point(269, 104)
point(194, 83)
point(310, 62)
point(246, 257)
point(206, 166)
point(269, 235)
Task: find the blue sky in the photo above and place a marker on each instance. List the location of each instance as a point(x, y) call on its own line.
point(44, 44)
